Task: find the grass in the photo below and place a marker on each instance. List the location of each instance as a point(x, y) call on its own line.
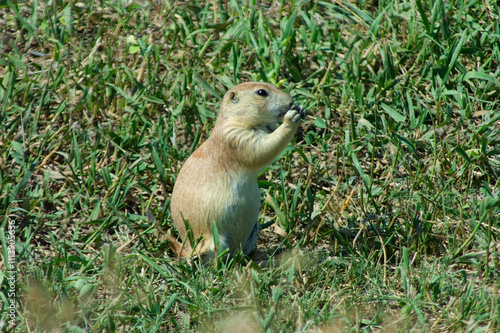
point(389, 195)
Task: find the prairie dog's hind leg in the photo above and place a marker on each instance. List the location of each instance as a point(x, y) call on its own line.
point(251, 242)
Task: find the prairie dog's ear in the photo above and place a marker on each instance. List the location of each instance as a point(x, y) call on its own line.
point(233, 96)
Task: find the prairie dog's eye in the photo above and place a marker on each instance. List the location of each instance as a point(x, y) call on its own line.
point(262, 92)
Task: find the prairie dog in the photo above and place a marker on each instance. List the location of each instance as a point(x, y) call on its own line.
point(218, 182)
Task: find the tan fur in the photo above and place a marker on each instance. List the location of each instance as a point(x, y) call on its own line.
point(218, 182)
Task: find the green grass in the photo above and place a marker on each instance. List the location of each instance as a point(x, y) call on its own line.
point(389, 195)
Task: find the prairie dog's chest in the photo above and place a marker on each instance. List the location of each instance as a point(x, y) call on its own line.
point(243, 202)
point(243, 187)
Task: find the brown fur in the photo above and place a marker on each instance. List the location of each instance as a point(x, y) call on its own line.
point(218, 182)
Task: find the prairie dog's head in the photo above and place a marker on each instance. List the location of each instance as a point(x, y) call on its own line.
point(254, 104)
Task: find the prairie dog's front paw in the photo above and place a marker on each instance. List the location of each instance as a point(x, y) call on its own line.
point(293, 116)
point(301, 111)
